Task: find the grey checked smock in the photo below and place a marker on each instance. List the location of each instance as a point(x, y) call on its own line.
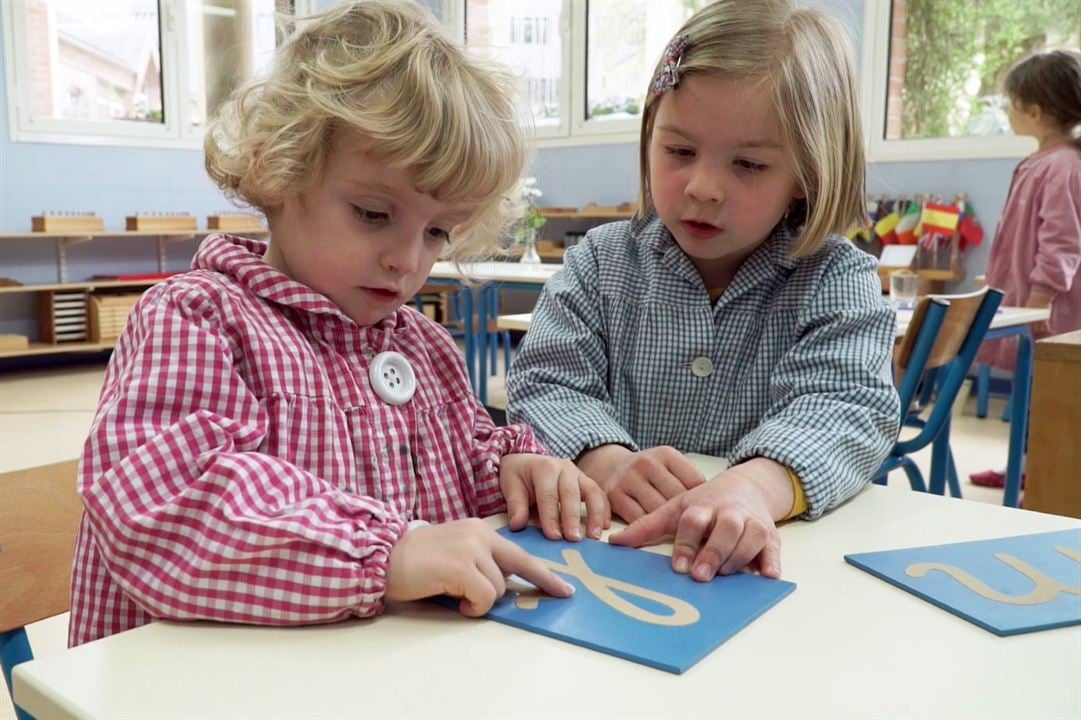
point(791, 363)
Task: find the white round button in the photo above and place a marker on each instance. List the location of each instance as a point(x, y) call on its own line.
point(392, 378)
point(701, 366)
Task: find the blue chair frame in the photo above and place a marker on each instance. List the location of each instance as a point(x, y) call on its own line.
point(935, 430)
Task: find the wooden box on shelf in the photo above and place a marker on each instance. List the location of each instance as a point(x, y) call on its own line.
point(80, 223)
point(62, 316)
point(235, 222)
point(109, 314)
point(162, 223)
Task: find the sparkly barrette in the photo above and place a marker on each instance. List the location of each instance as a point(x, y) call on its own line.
point(668, 76)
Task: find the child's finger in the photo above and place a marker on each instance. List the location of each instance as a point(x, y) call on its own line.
point(570, 503)
point(691, 531)
point(546, 490)
point(717, 548)
point(685, 471)
point(647, 495)
point(747, 548)
point(517, 497)
point(769, 560)
point(513, 560)
point(478, 595)
point(625, 506)
point(598, 511)
point(650, 527)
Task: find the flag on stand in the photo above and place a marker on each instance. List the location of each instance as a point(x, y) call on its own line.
point(906, 228)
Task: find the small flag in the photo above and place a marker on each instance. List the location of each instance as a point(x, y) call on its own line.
point(970, 228)
point(938, 219)
point(886, 227)
point(906, 227)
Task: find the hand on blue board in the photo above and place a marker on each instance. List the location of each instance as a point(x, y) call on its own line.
point(465, 559)
point(722, 526)
point(557, 488)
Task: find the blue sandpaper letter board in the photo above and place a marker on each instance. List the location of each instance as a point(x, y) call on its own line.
point(1007, 585)
point(629, 603)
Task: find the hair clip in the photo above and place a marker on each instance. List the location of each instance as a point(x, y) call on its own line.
point(668, 76)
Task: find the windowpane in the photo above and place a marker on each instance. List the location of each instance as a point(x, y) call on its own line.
point(229, 41)
point(524, 35)
point(94, 60)
point(626, 38)
point(948, 59)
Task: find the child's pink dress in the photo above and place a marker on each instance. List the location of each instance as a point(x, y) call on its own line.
point(1038, 243)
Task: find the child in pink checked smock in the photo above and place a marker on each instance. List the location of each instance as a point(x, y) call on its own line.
point(279, 441)
point(1036, 254)
point(1037, 249)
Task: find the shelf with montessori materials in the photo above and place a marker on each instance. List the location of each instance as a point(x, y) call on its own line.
point(86, 316)
point(574, 222)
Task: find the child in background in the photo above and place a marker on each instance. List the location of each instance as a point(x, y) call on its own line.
point(728, 317)
point(1037, 249)
point(276, 430)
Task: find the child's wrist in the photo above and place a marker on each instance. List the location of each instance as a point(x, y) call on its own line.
point(772, 481)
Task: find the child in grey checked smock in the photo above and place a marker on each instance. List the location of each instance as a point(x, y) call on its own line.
point(728, 318)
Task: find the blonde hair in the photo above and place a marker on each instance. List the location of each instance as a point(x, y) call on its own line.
point(385, 69)
point(806, 58)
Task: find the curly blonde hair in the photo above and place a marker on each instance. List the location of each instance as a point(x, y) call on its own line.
point(806, 58)
point(385, 69)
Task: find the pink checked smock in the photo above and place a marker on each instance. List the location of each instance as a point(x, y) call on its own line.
point(1038, 243)
point(240, 467)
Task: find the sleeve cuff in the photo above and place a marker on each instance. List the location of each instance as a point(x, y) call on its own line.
point(799, 498)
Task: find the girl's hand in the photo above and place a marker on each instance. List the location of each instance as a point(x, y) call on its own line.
point(723, 525)
point(464, 559)
point(640, 482)
point(557, 487)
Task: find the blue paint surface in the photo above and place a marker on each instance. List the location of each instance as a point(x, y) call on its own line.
point(978, 559)
point(726, 605)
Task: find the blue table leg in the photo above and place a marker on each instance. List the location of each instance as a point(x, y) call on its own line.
point(1019, 404)
point(940, 454)
point(482, 346)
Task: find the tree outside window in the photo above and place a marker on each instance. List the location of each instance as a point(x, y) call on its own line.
point(948, 59)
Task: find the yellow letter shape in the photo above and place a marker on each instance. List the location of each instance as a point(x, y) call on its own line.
point(683, 613)
point(1046, 589)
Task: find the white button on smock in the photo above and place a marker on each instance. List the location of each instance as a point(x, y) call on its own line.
point(392, 378)
point(701, 366)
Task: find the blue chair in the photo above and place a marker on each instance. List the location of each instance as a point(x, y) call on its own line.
point(39, 516)
point(941, 341)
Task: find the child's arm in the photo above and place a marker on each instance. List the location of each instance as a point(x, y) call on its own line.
point(835, 412)
point(834, 418)
point(558, 382)
point(1058, 240)
point(191, 514)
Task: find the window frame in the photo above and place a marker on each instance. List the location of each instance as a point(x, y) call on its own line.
point(877, 16)
point(174, 133)
point(574, 129)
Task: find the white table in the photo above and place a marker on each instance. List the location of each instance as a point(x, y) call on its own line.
point(1005, 317)
point(843, 645)
point(488, 278)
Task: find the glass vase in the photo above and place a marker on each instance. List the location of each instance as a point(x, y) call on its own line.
point(529, 248)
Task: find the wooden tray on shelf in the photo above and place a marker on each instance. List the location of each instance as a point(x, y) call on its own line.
point(80, 223)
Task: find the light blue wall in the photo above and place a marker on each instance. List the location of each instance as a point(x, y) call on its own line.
point(115, 182)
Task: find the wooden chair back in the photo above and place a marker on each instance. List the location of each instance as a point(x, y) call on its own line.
point(955, 328)
point(39, 517)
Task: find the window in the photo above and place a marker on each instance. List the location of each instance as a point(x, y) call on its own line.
point(583, 64)
point(934, 72)
point(130, 72)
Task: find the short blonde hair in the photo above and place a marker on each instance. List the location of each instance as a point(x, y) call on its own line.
point(385, 69)
point(806, 58)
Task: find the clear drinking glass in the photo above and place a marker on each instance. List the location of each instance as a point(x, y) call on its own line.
point(904, 284)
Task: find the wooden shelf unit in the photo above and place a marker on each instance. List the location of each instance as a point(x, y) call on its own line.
point(63, 241)
point(551, 250)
